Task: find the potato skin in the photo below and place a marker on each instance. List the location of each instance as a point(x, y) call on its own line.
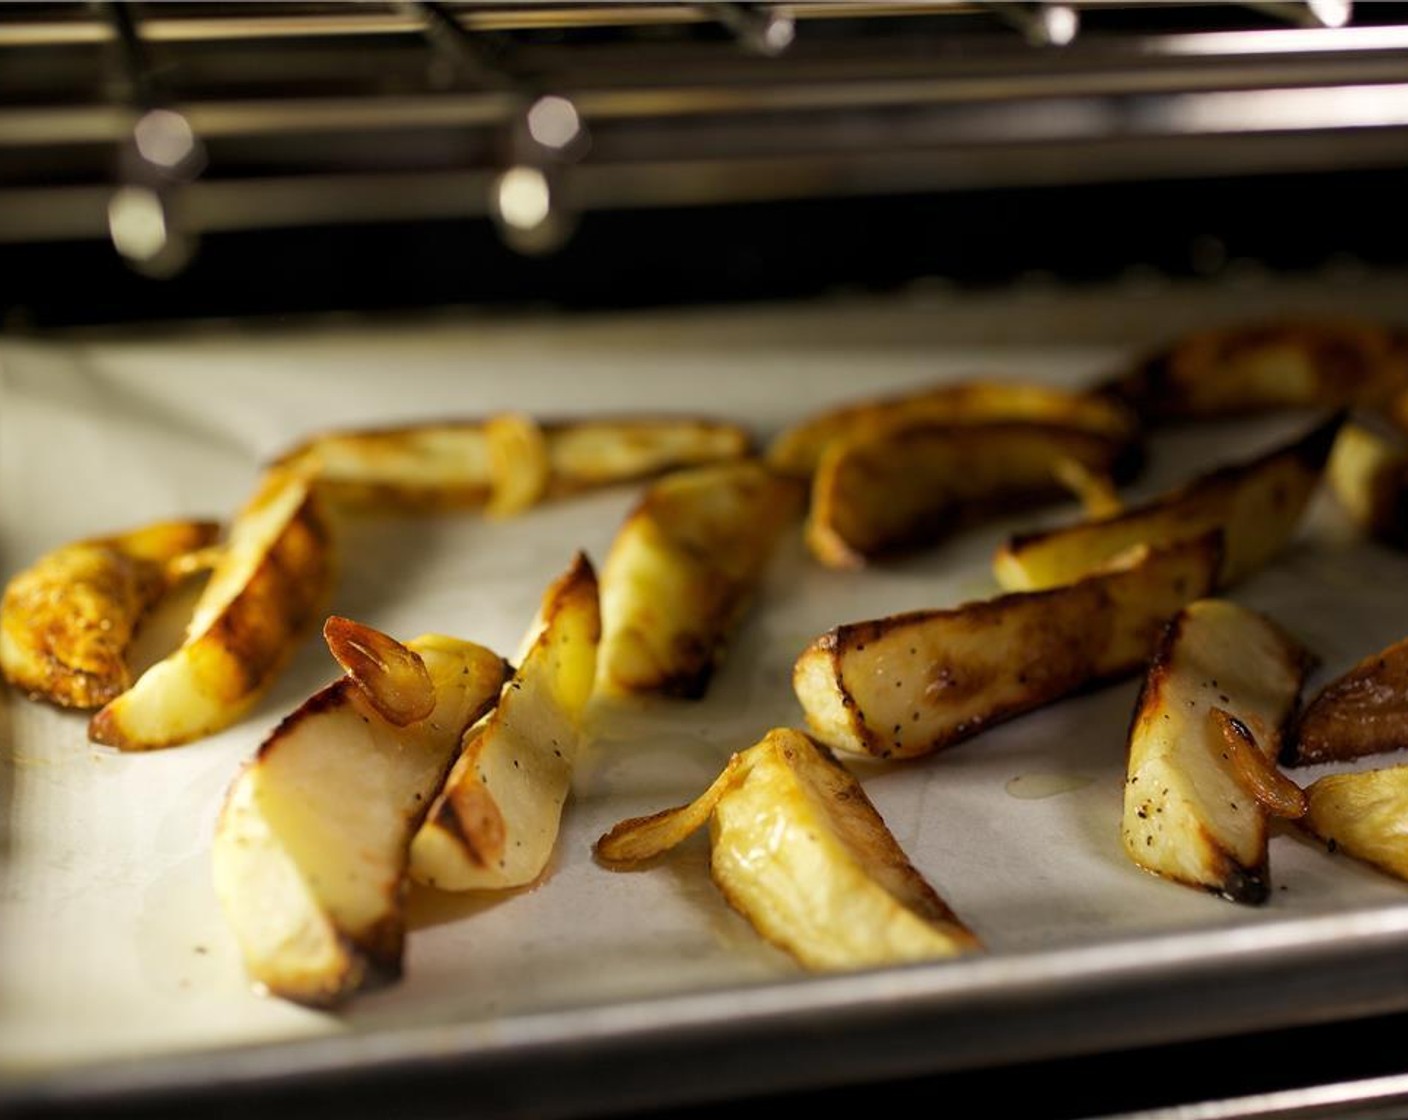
point(1362, 712)
point(1263, 366)
point(914, 683)
point(906, 486)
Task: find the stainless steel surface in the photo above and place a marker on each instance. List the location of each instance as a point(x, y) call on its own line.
point(314, 108)
point(1379, 1098)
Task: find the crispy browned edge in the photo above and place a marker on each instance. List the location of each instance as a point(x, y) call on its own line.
point(1249, 885)
point(835, 641)
point(1308, 745)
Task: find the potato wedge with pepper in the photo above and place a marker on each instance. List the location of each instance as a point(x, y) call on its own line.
point(1361, 814)
point(1257, 505)
point(682, 571)
point(312, 842)
point(67, 622)
point(506, 462)
point(1363, 711)
point(902, 486)
point(495, 822)
point(799, 850)
point(910, 684)
point(268, 586)
point(1199, 786)
point(1264, 366)
point(796, 451)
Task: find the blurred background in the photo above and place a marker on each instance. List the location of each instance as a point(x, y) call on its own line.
point(195, 160)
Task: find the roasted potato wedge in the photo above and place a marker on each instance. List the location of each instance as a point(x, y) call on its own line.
point(1368, 475)
point(272, 580)
point(911, 684)
point(797, 451)
point(312, 842)
point(799, 850)
point(495, 822)
point(67, 622)
point(425, 466)
point(1257, 504)
point(1193, 812)
point(505, 463)
point(899, 487)
point(1363, 711)
point(1361, 814)
point(682, 571)
point(1265, 366)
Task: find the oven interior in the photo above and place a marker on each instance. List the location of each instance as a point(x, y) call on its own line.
point(189, 164)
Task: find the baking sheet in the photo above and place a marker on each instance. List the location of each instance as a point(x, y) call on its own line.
point(115, 957)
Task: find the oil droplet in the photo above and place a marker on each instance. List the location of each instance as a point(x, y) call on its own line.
point(1032, 787)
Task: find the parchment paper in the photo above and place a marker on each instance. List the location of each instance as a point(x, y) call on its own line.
point(111, 942)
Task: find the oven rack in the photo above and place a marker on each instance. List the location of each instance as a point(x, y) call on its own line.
point(153, 124)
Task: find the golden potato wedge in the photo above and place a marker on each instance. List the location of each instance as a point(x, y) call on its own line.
point(67, 622)
point(681, 572)
point(1192, 813)
point(1368, 475)
point(1265, 366)
point(1257, 504)
point(797, 451)
point(1363, 711)
point(799, 850)
point(911, 684)
point(589, 453)
point(416, 467)
point(270, 584)
point(902, 486)
point(312, 842)
point(495, 822)
point(507, 462)
point(1362, 814)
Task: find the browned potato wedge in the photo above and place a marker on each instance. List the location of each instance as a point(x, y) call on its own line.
point(682, 571)
point(1368, 475)
point(900, 487)
point(67, 622)
point(1363, 711)
point(312, 842)
point(797, 450)
point(508, 462)
point(1194, 813)
point(426, 466)
point(1257, 504)
point(270, 584)
point(799, 850)
point(495, 822)
point(1362, 814)
point(590, 453)
point(911, 684)
point(1264, 366)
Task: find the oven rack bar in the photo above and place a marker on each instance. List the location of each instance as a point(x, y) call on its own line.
point(269, 116)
